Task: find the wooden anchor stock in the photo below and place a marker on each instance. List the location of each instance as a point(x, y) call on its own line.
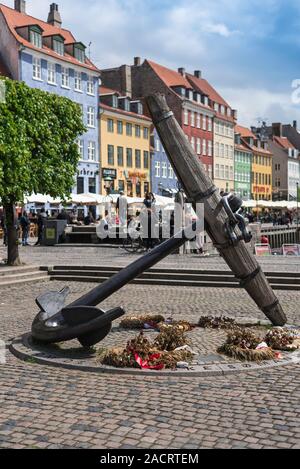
point(200, 189)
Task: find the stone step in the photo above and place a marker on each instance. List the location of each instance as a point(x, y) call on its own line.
point(4, 271)
point(38, 277)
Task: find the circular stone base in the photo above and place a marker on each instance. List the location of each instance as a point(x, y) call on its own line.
point(204, 342)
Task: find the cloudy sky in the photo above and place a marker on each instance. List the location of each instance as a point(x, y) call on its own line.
point(248, 49)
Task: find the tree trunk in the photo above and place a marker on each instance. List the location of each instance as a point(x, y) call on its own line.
point(13, 258)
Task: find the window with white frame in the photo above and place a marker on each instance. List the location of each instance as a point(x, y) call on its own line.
point(198, 123)
point(171, 172)
point(80, 144)
point(37, 69)
point(92, 151)
point(157, 169)
point(78, 81)
point(192, 119)
point(90, 86)
point(198, 146)
point(210, 149)
point(51, 73)
point(58, 46)
point(210, 171)
point(164, 170)
point(217, 171)
point(226, 172)
point(222, 150)
point(226, 151)
point(216, 107)
point(222, 171)
point(91, 116)
point(65, 77)
point(193, 142)
point(209, 124)
point(186, 117)
point(204, 122)
point(217, 149)
point(204, 147)
point(157, 145)
point(36, 37)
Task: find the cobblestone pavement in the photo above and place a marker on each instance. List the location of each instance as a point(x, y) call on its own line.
point(118, 257)
point(44, 407)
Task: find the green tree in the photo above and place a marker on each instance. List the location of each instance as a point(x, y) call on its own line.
point(38, 149)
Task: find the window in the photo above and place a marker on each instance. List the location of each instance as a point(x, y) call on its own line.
point(65, 77)
point(91, 120)
point(120, 156)
point(146, 133)
point(157, 145)
point(171, 172)
point(217, 149)
point(157, 169)
point(79, 54)
point(78, 81)
point(204, 147)
point(137, 158)
point(36, 38)
point(110, 125)
point(37, 69)
point(80, 185)
point(222, 150)
point(146, 159)
point(138, 131)
point(51, 73)
point(121, 186)
point(164, 170)
point(198, 146)
point(92, 151)
point(129, 130)
point(209, 124)
point(210, 150)
point(186, 117)
point(204, 123)
point(193, 142)
point(92, 185)
point(129, 157)
point(222, 173)
point(217, 170)
point(198, 121)
point(120, 127)
point(58, 46)
point(192, 119)
point(226, 151)
point(111, 155)
point(80, 148)
point(216, 107)
point(90, 86)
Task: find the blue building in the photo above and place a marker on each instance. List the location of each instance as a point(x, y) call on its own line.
point(163, 178)
point(48, 57)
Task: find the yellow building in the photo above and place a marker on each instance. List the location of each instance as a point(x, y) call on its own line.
point(261, 176)
point(124, 145)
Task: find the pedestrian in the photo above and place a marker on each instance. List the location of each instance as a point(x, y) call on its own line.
point(122, 208)
point(25, 224)
point(41, 221)
point(4, 228)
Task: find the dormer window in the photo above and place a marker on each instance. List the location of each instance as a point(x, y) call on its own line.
point(35, 36)
point(79, 53)
point(58, 45)
point(216, 107)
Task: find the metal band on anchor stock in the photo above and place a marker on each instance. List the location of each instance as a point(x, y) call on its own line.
point(245, 280)
point(164, 117)
point(268, 309)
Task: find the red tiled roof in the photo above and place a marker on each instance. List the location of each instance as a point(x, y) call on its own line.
point(103, 90)
point(126, 113)
point(3, 69)
point(243, 147)
point(15, 19)
point(204, 87)
point(244, 131)
point(168, 76)
point(284, 142)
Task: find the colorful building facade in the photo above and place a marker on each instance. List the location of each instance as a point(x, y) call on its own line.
point(125, 145)
point(242, 169)
point(262, 161)
point(46, 56)
point(163, 179)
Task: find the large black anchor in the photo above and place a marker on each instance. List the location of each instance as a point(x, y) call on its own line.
point(82, 320)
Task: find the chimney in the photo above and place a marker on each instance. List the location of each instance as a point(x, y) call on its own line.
point(295, 125)
point(54, 17)
point(137, 61)
point(181, 71)
point(277, 129)
point(20, 6)
point(198, 73)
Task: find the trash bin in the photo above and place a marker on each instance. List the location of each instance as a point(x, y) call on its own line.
point(54, 229)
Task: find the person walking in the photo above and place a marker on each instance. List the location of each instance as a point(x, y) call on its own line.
point(41, 220)
point(24, 223)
